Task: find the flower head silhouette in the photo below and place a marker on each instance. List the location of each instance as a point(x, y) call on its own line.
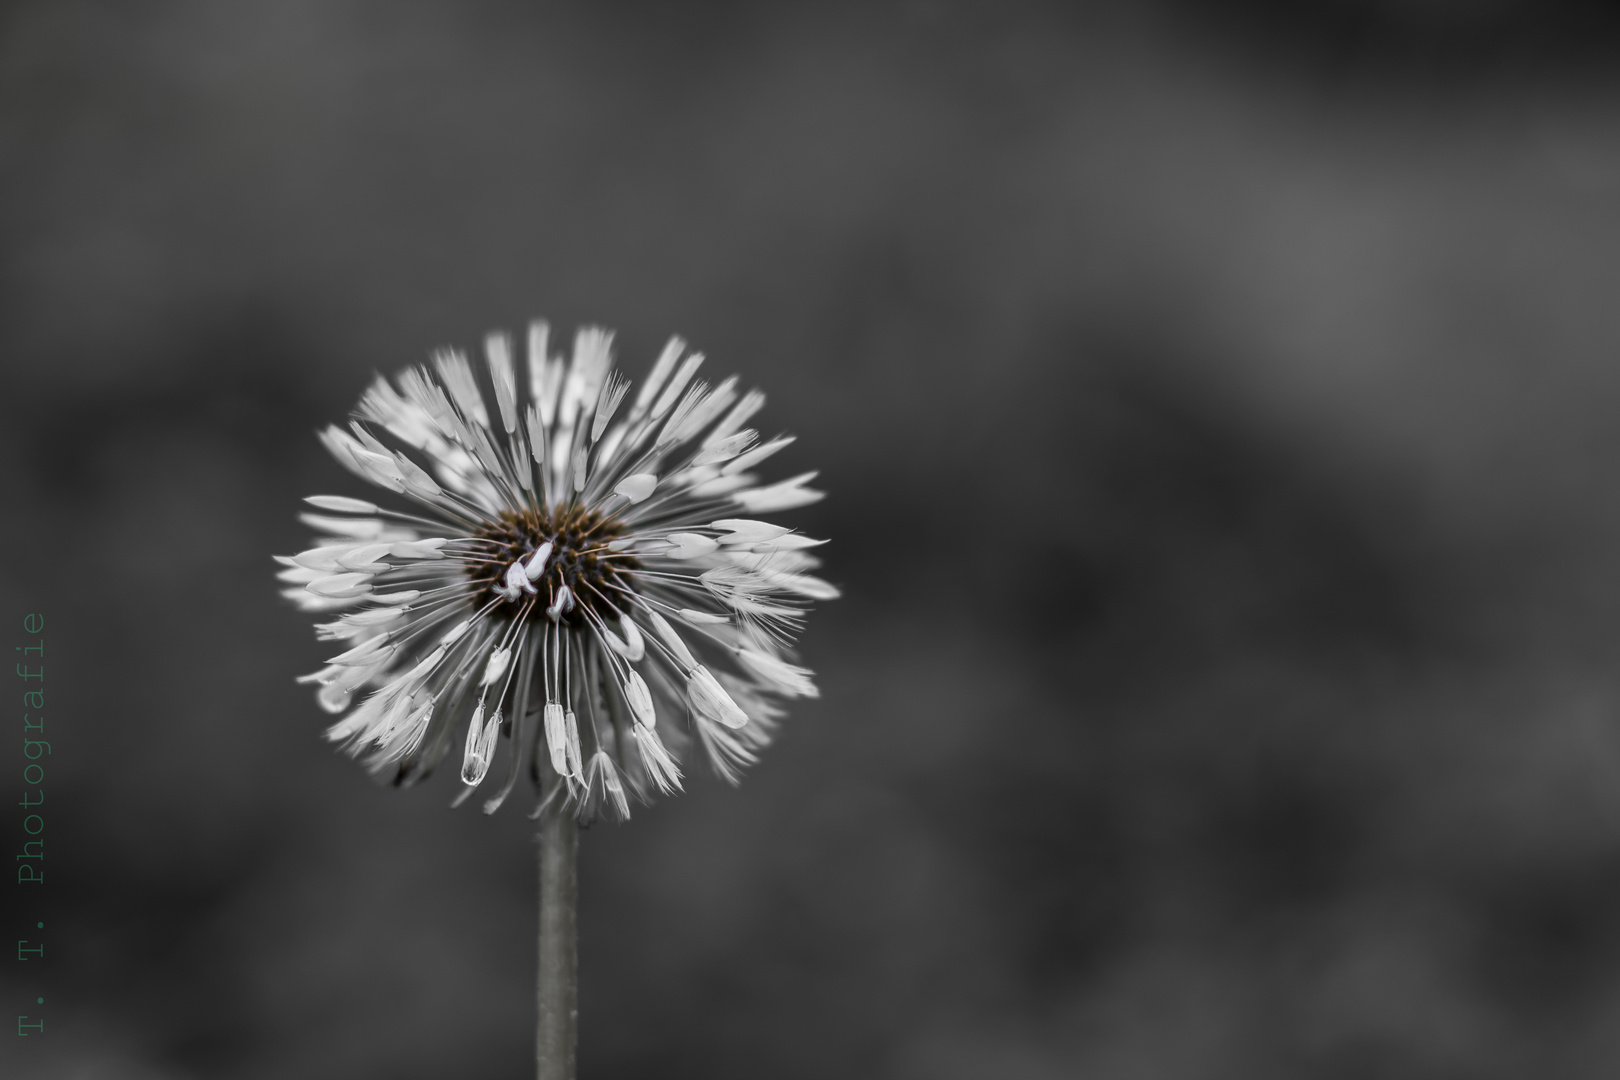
point(579, 575)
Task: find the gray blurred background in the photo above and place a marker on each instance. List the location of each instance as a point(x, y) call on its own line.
point(1216, 401)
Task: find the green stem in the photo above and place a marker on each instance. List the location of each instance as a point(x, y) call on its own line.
point(559, 965)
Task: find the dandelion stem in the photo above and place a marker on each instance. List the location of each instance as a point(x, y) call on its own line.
point(559, 975)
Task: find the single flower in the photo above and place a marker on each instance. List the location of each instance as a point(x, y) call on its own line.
point(578, 579)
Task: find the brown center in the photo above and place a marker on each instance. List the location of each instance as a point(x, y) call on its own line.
point(580, 559)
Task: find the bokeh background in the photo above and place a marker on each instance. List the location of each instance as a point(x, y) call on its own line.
point(1217, 402)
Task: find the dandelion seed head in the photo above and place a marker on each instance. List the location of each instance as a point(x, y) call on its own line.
point(571, 579)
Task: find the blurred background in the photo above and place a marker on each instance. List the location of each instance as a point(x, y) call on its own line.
point(1217, 405)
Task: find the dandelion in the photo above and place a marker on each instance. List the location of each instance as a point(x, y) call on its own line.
point(574, 582)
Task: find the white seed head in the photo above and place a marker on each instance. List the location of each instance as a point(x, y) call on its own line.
point(790, 542)
point(667, 634)
point(518, 580)
point(373, 618)
point(739, 415)
point(726, 449)
point(745, 532)
point(722, 485)
point(641, 706)
point(480, 747)
point(806, 585)
point(427, 664)
point(380, 469)
point(637, 487)
point(365, 558)
point(556, 737)
point(613, 641)
point(334, 697)
point(661, 768)
point(364, 652)
point(683, 375)
point(537, 562)
point(787, 678)
point(496, 667)
point(612, 787)
point(576, 768)
point(564, 603)
point(758, 454)
point(539, 332)
point(418, 549)
point(498, 352)
point(635, 644)
point(415, 480)
point(340, 504)
point(786, 495)
point(322, 560)
point(539, 529)
point(536, 430)
point(689, 545)
point(711, 699)
point(340, 586)
point(607, 403)
point(655, 378)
